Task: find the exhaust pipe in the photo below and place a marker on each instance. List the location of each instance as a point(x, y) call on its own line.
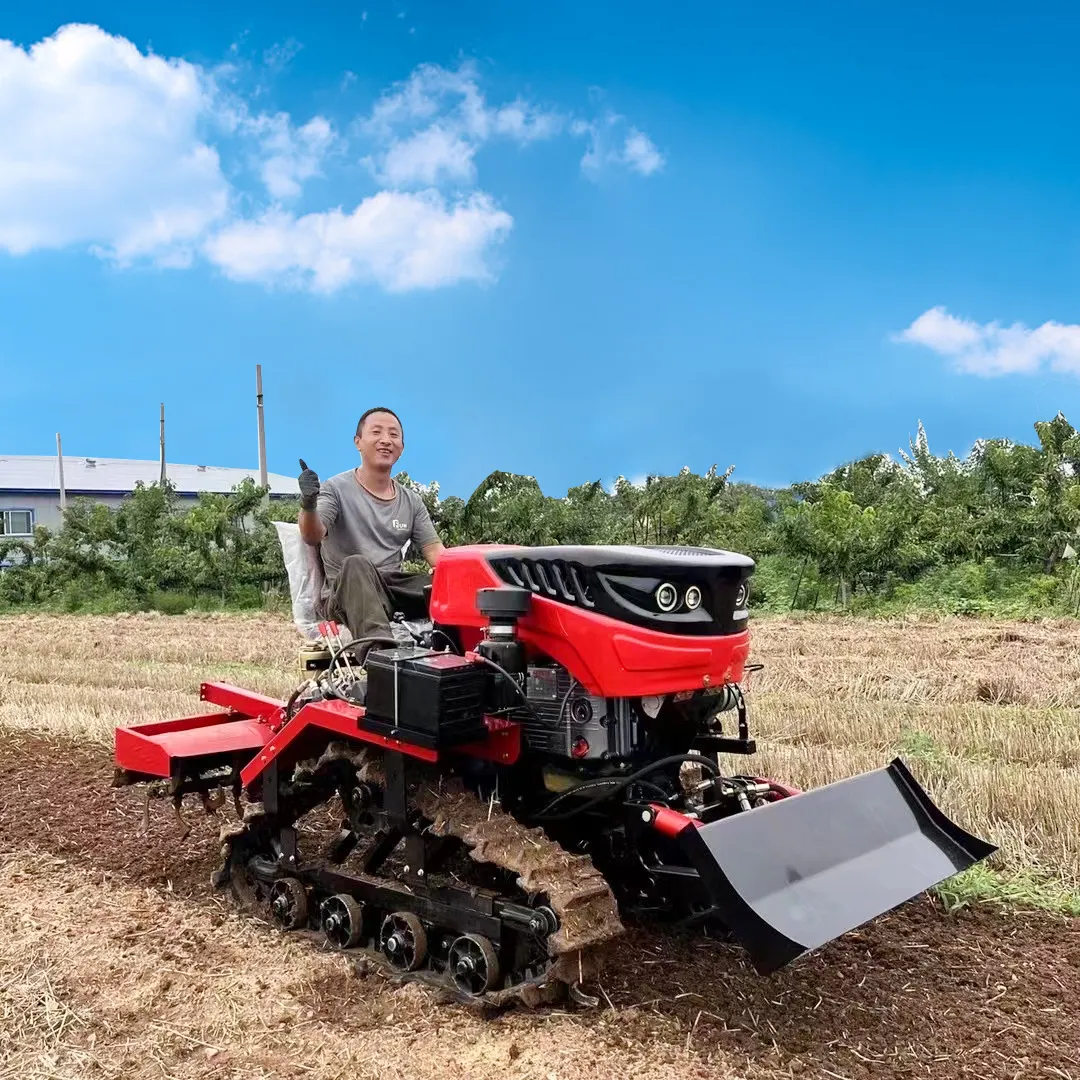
point(790, 876)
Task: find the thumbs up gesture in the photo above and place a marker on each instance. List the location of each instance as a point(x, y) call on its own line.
point(309, 486)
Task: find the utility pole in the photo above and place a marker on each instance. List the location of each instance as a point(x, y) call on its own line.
point(60, 467)
point(262, 428)
point(163, 444)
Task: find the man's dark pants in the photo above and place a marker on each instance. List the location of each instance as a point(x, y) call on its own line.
point(365, 599)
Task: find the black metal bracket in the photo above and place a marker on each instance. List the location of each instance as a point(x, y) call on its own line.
point(723, 744)
point(396, 804)
point(726, 744)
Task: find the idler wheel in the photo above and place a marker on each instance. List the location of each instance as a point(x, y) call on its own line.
point(403, 940)
point(473, 965)
point(342, 920)
point(288, 903)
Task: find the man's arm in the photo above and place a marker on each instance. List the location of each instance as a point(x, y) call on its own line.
point(424, 535)
point(312, 529)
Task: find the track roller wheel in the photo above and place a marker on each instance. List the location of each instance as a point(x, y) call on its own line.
point(473, 965)
point(240, 873)
point(403, 940)
point(545, 923)
point(342, 920)
point(288, 903)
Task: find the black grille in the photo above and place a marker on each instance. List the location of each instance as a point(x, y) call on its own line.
point(555, 578)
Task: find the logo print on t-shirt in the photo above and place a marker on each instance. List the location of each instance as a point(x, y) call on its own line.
point(400, 525)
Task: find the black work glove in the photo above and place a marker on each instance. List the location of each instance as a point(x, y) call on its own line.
point(309, 487)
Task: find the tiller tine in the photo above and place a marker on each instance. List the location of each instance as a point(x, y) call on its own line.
point(185, 825)
point(794, 874)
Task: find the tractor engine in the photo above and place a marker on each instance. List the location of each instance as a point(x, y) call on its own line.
point(564, 720)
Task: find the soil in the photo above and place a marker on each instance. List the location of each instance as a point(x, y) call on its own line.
point(918, 993)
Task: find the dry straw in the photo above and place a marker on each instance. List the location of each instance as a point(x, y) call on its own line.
point(984, 713)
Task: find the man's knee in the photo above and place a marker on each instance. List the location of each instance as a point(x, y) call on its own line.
point(354, 566)
point(359, 588)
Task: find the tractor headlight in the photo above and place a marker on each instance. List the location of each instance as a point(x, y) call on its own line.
point(667, 597)
point(693, 597)
point(742, 597)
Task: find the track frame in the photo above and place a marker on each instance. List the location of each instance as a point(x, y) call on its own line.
point(515, 932)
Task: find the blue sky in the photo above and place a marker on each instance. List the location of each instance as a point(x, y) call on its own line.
point(570, 240)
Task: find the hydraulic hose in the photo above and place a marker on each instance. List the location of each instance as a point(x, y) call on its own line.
point(621, 784)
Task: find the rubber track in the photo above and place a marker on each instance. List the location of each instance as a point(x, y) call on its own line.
point(575, 890)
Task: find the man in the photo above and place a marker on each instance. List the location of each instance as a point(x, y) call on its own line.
point(361, 521)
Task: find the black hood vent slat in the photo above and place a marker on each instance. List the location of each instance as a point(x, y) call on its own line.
point(580, 590)
point(541, 572)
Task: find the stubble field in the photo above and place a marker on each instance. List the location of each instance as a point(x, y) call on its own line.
point(116, 959)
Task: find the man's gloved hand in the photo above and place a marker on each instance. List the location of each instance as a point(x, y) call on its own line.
point(309, 487)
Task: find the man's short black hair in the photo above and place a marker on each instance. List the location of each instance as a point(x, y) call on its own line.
point(378, 408)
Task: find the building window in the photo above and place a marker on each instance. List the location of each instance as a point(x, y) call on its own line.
point(16, 522)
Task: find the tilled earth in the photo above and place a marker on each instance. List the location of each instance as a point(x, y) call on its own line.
point(118, 959)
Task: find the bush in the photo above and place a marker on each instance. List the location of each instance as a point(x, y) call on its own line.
point(172, 603)
point(986, 534)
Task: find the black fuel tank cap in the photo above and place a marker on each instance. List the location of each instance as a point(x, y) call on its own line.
point(508, 602)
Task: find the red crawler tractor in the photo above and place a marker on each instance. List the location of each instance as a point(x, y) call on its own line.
point(540, 764)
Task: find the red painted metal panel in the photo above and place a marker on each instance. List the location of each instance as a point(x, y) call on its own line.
point(337, 716)
point(639, 655)
point(503, 744)
point(160, 727)
point(222, 739)
point(151, 749)
point(244, 702)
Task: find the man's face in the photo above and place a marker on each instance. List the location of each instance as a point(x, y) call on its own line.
point(380, 442)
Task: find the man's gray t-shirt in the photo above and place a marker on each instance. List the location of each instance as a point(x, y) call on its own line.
point(358, 523)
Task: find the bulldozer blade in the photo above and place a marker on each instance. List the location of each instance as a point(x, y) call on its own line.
point(792, 875)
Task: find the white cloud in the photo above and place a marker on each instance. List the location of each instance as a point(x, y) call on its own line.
point(993, 349)
point(399, 240)
point(292, 155)
point(100, 146)
point(281, 54)
point(135, 157)
point(432, 155)
point(525, 124)
point(640, 154)
point(106, 148)
point(634, 151)
point(429, 127)
point(419, 97)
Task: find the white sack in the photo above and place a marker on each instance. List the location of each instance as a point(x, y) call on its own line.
point(305, 571)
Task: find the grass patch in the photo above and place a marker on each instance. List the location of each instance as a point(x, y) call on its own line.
point(981, 884)
point(920, 745)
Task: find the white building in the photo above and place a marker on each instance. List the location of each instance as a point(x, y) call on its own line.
point(30, 485)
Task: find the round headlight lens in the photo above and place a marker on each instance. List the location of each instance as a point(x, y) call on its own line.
point(742, 597)
point(693, 597)
point(666, 597)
